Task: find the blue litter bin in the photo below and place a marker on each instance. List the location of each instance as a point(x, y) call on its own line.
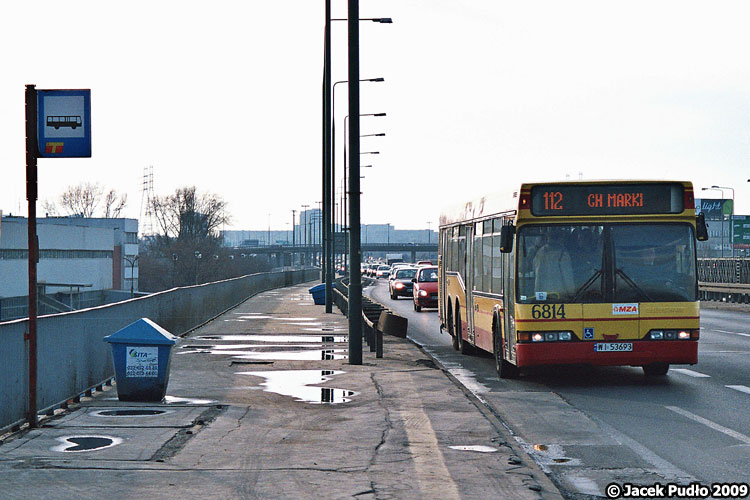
point(141, 353)
point(319, 294)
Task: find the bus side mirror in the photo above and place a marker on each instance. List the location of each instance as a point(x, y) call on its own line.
point(506, 238)
point(701, 229)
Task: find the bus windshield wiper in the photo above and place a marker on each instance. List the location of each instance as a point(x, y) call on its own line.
point(632, 284)
point(586, 285)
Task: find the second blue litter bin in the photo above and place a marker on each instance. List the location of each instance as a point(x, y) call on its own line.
point(319, 294)
point(141, 354)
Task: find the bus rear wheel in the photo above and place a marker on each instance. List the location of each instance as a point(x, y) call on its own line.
point(504, 368)
point(656, 369)
point(454, 338)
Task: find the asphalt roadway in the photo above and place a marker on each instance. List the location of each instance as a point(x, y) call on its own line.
point(262, 403)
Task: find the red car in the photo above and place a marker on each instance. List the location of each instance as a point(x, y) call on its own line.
point(426, 288)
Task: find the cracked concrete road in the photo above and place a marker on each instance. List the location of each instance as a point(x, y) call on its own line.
point(281, 416)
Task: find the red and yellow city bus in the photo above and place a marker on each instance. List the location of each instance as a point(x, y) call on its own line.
point(588, 272)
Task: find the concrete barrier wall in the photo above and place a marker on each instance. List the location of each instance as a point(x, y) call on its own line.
point(72, 357)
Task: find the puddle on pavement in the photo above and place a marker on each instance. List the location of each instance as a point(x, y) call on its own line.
point(552, 454)
point(189, 401)
point(130, 412)
point(73, 444)
point(305, 355)
point(480, 448)
point(297, 384)
point(284, 318)
point(265, 352)
point(319, 339)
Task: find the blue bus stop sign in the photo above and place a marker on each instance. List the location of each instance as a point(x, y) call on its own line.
point(64, 123)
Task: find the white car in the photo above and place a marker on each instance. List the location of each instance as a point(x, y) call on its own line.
point(383, 271)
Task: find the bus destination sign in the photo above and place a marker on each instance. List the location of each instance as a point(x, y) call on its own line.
point(607, 199)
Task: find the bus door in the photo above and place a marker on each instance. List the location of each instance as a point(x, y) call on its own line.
point(509, 289)
point(469, 282)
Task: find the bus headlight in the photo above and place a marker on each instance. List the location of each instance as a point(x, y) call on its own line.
point(544, 336)
point(423, 293)
point(674, 334)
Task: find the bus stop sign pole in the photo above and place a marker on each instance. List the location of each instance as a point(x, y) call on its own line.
point(31, 195)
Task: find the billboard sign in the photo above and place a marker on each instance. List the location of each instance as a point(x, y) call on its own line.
point(714, 209)
point(64, 123)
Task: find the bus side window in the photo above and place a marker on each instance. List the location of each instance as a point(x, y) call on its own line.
point(462, 257)
point(478, 285)
point(497, 265)
point(454, 252)
point(487, 264)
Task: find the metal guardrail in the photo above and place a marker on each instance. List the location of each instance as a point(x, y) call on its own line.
point(724, 270)
point(724, 280)
point(371, 311)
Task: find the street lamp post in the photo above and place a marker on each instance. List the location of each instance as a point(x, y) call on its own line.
point(368, 152)
point(355, 259)
point(304, 236)
point(131, 261)
point(327, 184)
point(331, 256)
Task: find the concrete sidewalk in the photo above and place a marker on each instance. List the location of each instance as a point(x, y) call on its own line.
point(263, 404)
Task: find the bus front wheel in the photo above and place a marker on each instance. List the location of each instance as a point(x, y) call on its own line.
point(451, 332)
point(656, 369)
point(463, 345)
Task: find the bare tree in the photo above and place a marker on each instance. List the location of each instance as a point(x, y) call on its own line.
point(188, 215)
point(83, 199)
point(188, 236)
point(114, 204)
point(49, 208)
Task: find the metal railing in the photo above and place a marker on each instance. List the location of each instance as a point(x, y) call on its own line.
point(371, 311)
point(724, 279)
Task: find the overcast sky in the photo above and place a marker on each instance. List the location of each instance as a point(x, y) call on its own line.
point(481, 95)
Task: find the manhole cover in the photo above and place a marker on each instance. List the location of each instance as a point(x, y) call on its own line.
point(73, 444)
point(129, 413)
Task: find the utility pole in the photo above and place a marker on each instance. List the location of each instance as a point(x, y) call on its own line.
point(355, 255)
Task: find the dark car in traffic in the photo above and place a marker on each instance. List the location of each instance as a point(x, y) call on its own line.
point(401, 285)
point(425, 287)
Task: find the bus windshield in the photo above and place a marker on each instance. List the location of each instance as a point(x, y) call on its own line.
point(606, 263)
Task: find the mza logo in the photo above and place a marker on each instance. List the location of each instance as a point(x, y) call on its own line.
point(624, 308)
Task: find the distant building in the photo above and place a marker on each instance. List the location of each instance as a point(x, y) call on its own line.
point(73, 251)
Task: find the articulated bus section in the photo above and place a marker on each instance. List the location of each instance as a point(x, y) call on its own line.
point(599, 273)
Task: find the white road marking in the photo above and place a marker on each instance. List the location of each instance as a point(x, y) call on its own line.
point(741, 388)
point(708, 423)
point(734, 333)
point(691, 373)
point(429, 464)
